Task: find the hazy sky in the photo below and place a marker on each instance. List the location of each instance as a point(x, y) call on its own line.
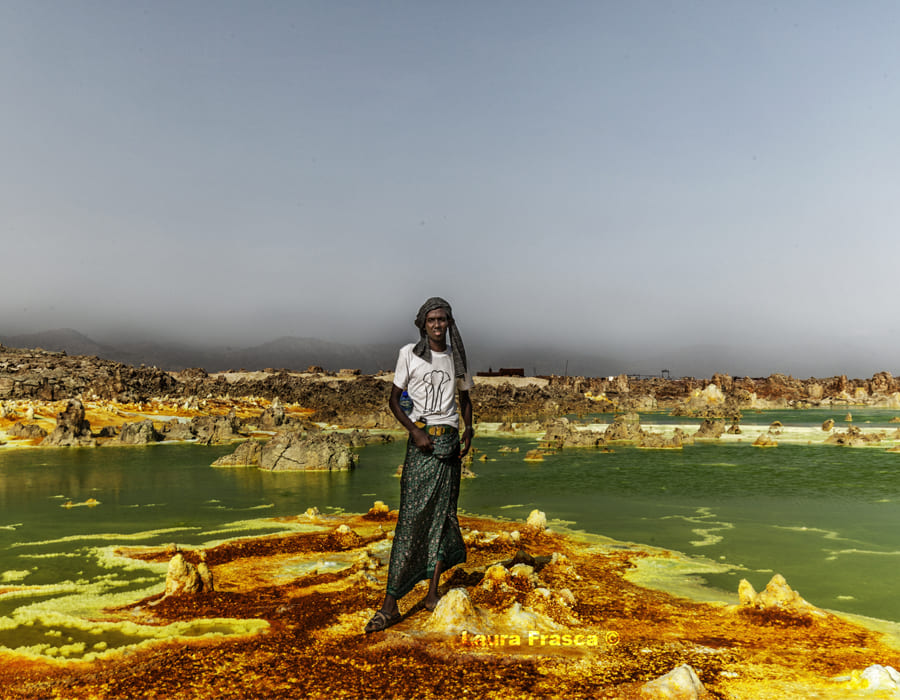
point(705, 184)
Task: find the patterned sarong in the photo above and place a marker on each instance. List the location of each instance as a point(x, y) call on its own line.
point(427, 526)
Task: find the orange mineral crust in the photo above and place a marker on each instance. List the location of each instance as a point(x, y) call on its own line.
point(531, 614)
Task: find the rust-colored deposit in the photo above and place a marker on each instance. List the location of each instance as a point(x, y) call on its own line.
point(557, 617)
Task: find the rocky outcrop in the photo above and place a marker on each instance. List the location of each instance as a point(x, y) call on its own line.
point(290, 450)
point(297, 449)
point(561, 433)
point(508, 403)
point(854, 437)
point(72, 430)
point(361, 438)
point(28, 431)
point(657, 441)
point(352, 401)
point(247, 454)
point(882, 383)
point(141, 433)
point(273, 417)
point(213, 430)
point(54, 376)
point(710, 430)
point(176, 430)
point(626, 427)
point(721, 399)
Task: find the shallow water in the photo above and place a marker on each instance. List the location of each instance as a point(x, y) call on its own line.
point(825, 517)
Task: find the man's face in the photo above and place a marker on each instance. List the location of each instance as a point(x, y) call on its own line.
point(436, 323)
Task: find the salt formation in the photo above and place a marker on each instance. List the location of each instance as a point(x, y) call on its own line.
point(182, 577)
point(680, 683)
point(345, 538)
point(518, 617)
point(537, 520)
point(478, 538)
point(765, 441)
point(496, 578)
point(877, 677)
point(206, 577)
point(378, 510)
point(455, 614)
point(778, 595)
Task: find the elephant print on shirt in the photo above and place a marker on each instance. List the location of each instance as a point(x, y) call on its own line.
point(436, 382)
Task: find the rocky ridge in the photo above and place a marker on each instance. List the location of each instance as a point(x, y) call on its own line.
point(349, 399)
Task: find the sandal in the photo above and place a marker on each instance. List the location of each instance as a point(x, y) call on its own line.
point(381, 621)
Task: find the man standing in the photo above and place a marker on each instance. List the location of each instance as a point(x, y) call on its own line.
point(427, 540)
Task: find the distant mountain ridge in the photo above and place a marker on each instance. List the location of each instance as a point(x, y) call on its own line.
point(294, 353)
point(282, 353)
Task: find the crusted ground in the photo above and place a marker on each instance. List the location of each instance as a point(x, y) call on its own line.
point(529, 590)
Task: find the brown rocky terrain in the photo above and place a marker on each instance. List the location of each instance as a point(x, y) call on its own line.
point(349, 399)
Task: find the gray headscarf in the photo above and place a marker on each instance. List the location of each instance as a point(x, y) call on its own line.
point(423, 348)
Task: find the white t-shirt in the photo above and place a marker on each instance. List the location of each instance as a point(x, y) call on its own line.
point(431, 385)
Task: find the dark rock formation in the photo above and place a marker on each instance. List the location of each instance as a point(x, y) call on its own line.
point(361, 438)
point(710, 429)
point(30, 431)
point(626, 427)
point(658, 441)
point(562, 433)
point(72, 430)
point(211, 430)
point(290, 450)
point(273, 417)
point(247, 454)
point(53, 376)
point(854, 437)
point(142, 433)
point(882, 383)
point(176, 430)
point(352, 401)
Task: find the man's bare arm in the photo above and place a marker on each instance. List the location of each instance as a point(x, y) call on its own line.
point(465, 411)
point(420, 438)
